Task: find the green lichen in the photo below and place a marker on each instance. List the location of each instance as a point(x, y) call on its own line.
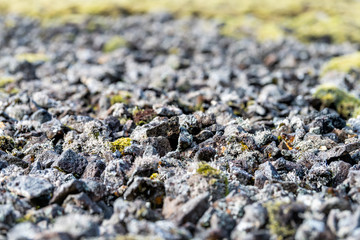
point(32, 57)
point(120, 144)
point(342, 64)
point(114, 43)
point(215, 176)
point(276, 227)
point(343, 102)
point(207, 170)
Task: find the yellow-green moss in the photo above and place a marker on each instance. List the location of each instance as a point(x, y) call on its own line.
point(32, 57)
point(122, 97)
point(120, 144)
point(27, 218)
point(215, 176)
point(5, 81)
point(342, 64)
point(269, 31)
point(282, 231)
point(345, 104)
point(114, 43)
point(207, 171)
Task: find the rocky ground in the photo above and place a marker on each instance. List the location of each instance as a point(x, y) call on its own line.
point(150, 127)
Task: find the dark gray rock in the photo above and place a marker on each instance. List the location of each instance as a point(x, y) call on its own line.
point(192, 210)
point(205, 154)
point(254, 219)
point(340, 170)
point(160, 144)
point(94, 169)
point(3, 164)
point(37, 190)
point(9, 159)
point(95, 189)
point(265, 172)
point(41, 116)
point(83, 201)
point(71, 162)
point(147, 190)
point(72, 187)
point(47, 158)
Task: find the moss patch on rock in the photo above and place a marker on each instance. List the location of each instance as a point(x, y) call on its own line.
point(114, 43)
point(207, 170)
point(216, 178)
point(32, 57)
point(120, 144)
point(343, 102)
point(342, 64)
point(276, 227)
point(5, 81)
point(122, 97)
point(7, 144)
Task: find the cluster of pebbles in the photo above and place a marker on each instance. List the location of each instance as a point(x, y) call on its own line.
point(150, 127)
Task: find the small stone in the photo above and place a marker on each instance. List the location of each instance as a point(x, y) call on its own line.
point(205, 154)
point(18, 112)
point(25, 230)
point(47, 158)
point(192, 210)
point(203, 136)
point(340, 170)
point(185, 140)
point(313, 229)
point(7, 214)
point(37, 190)
point(78, 226)
point(160, 144)
point(71, 162)
point(13, 160)
point(41, 116)
point(94, 169)
point(72, 187)
point(82, 201)
point(337, 153)
point(3, 164)
point(52, 236)
point(254, 218)
point(146, 189)
point(265, 172)
point(95, 189)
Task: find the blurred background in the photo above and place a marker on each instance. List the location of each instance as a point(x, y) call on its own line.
point(307, 20)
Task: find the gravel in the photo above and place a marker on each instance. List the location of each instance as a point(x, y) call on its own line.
point(181, 133)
